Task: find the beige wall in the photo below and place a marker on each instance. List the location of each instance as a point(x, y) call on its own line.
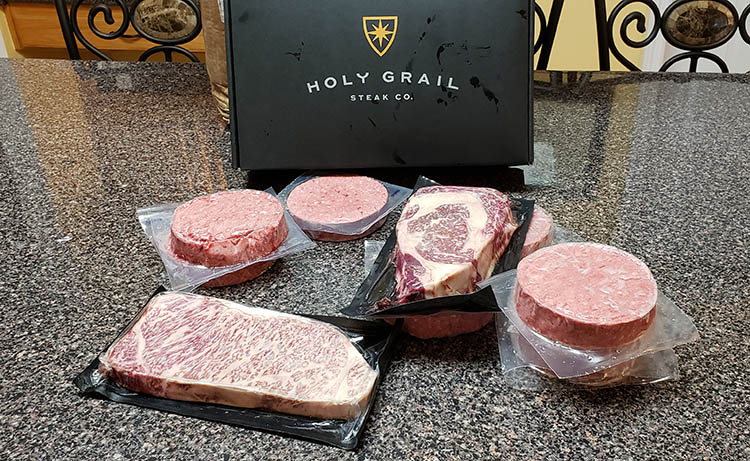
point(6, 42)
point(575, 45)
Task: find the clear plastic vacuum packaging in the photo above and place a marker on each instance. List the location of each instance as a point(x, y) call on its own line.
point(314, 377)
point(340, 207)
point(221, 239)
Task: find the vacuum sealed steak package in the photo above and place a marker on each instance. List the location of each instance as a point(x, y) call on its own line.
point(221, 239)
point(541, 232)
point(340, 207)
point(586, 307)
point(310, 377)
point(524, 369)
point(447, 239)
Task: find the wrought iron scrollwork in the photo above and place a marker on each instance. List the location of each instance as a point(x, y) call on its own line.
point(640, 22)
point(167, 50)
point(167, 46)
point(547, 31)
point(539, 12)
point(694, 56)
point(694, 26)
point(108, 18)
point(743, 24)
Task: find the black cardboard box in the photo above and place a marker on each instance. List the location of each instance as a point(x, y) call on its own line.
point(341, 84)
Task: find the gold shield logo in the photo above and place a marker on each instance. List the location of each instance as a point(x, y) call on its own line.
point(380, 32)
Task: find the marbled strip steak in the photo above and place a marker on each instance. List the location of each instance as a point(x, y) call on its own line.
point(197, 348)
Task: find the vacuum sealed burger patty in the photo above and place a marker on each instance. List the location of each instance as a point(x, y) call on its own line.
point(585, 295)
point(340, 201)
point(540, 233)
point(228, 228)
point(196, 348)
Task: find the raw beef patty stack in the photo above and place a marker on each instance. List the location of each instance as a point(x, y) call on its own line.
point(348, 203)
point(229, 228)
point(586, 295)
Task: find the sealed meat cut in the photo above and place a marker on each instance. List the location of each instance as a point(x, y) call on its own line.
point(240, 276)
point(445, 325)
point(228, 228)
point(325, 203)
point(540, 233)
point(449, 238)
point(195, 348)
point(585, 295)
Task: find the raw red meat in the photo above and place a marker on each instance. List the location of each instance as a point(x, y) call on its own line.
point(338, 201)
point(228, 228)
point(540, 233)
point(449, 238)
point(445, 325)
point(196, 348)
point(586, 294)
point(240, 276)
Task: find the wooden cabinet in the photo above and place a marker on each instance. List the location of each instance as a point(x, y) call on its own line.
point(34, 26)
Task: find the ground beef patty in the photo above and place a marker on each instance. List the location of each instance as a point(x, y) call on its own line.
point(337, 201)
point(585, 294)
point(229, 228)
point(240, 276)
point(540, 233)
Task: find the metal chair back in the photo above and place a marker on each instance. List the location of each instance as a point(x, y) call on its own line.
point(693, 26)
point(71, 29)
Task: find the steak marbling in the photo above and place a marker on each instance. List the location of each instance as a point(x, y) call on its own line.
point(196, 348)
point(449, 238)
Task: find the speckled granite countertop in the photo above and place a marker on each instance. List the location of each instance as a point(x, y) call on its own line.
point(658, 164)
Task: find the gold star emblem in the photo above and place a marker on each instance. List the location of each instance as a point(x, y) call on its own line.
point(380, 33)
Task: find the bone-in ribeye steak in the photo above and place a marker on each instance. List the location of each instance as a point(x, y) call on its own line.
point(449, 238)
point(196, 348)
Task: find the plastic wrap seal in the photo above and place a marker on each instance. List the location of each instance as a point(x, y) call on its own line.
point(670, 327)
point(374, 340)
point(524, 369)
point(372, 250)
point(156, 222)
point(396, 195)
point(374, 297)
